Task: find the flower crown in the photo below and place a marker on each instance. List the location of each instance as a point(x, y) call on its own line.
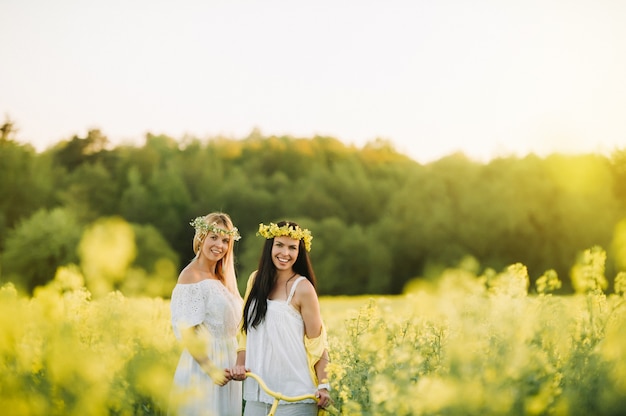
point(289, 230)
point(203, 227)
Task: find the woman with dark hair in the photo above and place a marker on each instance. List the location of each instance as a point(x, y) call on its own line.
point(283, 339)
point(205, 313)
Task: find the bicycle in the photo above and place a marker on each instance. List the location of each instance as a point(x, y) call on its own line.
point(279, 396)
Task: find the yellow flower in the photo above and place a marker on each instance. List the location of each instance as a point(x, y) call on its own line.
point(288, 230)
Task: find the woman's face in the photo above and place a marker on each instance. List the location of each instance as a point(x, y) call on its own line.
point(285, 252)
point(215, 246)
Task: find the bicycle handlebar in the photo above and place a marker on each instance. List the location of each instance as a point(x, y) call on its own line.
point(279, 396)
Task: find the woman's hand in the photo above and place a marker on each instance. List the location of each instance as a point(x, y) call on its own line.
point(323, 398)
point(222, 380)
point(238, 373)
point(218, 376)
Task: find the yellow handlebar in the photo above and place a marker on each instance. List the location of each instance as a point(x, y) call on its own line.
point(279, 396)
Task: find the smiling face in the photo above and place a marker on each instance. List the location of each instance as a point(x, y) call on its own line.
point(215, 246)
point(285, 252)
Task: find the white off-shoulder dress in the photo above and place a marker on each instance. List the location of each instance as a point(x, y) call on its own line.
point(209, 304)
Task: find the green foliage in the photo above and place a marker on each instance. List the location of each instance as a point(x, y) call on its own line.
point(25, 183)
point(618, 245)
point(90, 192)
point(155, 266)
point(38, 246)
point(346, 260)
point(77, 151)
point(152, 247)
point(618, 171)
point(398, 219)
point(133, 259)
point(135, 202)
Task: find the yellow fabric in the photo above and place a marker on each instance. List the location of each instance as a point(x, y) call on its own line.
point(315, 348)
point(242, 336)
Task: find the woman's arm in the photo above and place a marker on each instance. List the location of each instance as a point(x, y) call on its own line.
point(195, 342)
point(238, 372)
point(306, 298)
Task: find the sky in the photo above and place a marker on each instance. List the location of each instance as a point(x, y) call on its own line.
point(489, 78)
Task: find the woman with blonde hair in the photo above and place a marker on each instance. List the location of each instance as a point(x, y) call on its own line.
point(205, 312)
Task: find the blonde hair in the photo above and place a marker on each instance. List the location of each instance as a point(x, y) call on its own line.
point(225, 268)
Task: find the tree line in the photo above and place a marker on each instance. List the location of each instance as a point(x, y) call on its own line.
point(379, 218)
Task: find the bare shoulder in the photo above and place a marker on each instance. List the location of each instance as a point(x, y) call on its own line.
point(305, 291)
point(187, 276)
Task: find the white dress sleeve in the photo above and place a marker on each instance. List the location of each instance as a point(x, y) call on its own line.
point(187, 307)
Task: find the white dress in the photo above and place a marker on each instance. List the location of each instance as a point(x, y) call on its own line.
point(275, 351)
point(207, 303)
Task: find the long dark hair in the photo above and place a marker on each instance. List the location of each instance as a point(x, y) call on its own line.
point(256, 305)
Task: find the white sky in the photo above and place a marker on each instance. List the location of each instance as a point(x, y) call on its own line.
point(486, 77)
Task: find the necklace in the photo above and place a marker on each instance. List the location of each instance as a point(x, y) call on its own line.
point(287, 282)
